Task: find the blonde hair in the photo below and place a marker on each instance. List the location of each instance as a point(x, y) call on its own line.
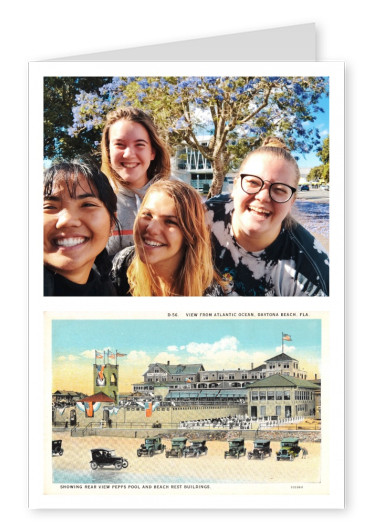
point(159, 168)
point(196, 272)
point(275, 147)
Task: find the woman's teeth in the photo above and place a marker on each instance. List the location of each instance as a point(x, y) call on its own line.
point(153, 244)
point(69, 242)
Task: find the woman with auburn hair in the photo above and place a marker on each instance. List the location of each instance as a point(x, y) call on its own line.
point(133, 157)
point(172, 253)
point(259, 248)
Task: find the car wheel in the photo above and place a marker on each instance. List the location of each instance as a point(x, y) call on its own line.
point(167, 455)
point(151, 453)
point(138, 453)
point(125, 463)
point(225, 456)
point(94, 465)
point(61, 452)
point(118, 465)
point(249, 456)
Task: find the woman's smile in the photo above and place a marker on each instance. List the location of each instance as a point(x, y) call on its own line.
point(76, 230)
point(160, 241)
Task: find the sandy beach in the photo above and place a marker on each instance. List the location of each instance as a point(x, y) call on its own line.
point(73, 467)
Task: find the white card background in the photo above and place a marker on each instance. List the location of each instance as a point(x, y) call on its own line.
point(41, 30)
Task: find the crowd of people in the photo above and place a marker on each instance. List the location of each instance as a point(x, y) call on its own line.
point(239, 422)
point(131, 229)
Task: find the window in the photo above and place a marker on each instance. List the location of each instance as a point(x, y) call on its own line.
point(278, 411)
point(278, 395)
point(231, 377)
point(286, 395)
point(262, 395)
point(254, 395)
point(270, 395)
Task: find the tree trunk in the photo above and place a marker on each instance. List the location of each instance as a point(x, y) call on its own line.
point(220, 167)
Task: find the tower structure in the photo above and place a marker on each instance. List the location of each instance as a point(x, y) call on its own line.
point(106, 375)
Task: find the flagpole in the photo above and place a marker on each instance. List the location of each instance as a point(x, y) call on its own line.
point(282, 343)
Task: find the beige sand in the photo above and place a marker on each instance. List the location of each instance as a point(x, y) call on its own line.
point(210, 468)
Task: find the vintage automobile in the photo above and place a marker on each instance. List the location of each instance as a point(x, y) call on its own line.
point(56, 448)
point(236, 448)
point(289, 449)
point(177, 447)
point(195, 449)
point(150, 447)
point(101, 457)
point(261, 448)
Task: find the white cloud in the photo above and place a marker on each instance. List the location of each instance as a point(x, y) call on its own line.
point(89, 354)
point(286, 348)
point(70, 357)
point(173, 348)
point(228, 343)
point(138, 357)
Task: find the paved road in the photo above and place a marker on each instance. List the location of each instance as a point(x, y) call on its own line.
point(315, 196)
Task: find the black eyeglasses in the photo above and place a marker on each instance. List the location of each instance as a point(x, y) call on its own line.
point(278, 192)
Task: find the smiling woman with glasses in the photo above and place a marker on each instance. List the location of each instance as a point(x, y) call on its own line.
point(260, 249)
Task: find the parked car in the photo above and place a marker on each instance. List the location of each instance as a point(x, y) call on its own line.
point(261, 448)
point(304, 188)
point(151, 446)
point(236, 448)
point(195, 449)
point(289, 449)
point(101, 457)
point(56, 448)
point(177, 447)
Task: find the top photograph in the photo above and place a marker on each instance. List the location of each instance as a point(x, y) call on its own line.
point(186, 186)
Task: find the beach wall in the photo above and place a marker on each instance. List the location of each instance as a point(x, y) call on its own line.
point(163, 415)
point(208, 435)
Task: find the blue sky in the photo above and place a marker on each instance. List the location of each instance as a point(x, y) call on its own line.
point(216, 343)
point(311, 160)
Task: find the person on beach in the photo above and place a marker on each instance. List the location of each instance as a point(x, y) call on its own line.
point(260, 250)
point(172, 253)
point(79, 212)
point(133, 157)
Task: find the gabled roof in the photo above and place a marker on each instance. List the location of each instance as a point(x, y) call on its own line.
point(63, 392)
point(180, 369)
point(259, 368)
point(281, 357)
point(277, 380)
point(98, 397)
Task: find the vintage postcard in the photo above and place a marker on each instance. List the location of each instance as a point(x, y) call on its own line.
point(204, 405)
point(210, 398)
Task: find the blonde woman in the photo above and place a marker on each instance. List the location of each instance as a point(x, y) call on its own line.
point(260, 250)
point(133, 157)
point(172, 255)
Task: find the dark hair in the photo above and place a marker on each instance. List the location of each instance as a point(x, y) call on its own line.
point(69, 172)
